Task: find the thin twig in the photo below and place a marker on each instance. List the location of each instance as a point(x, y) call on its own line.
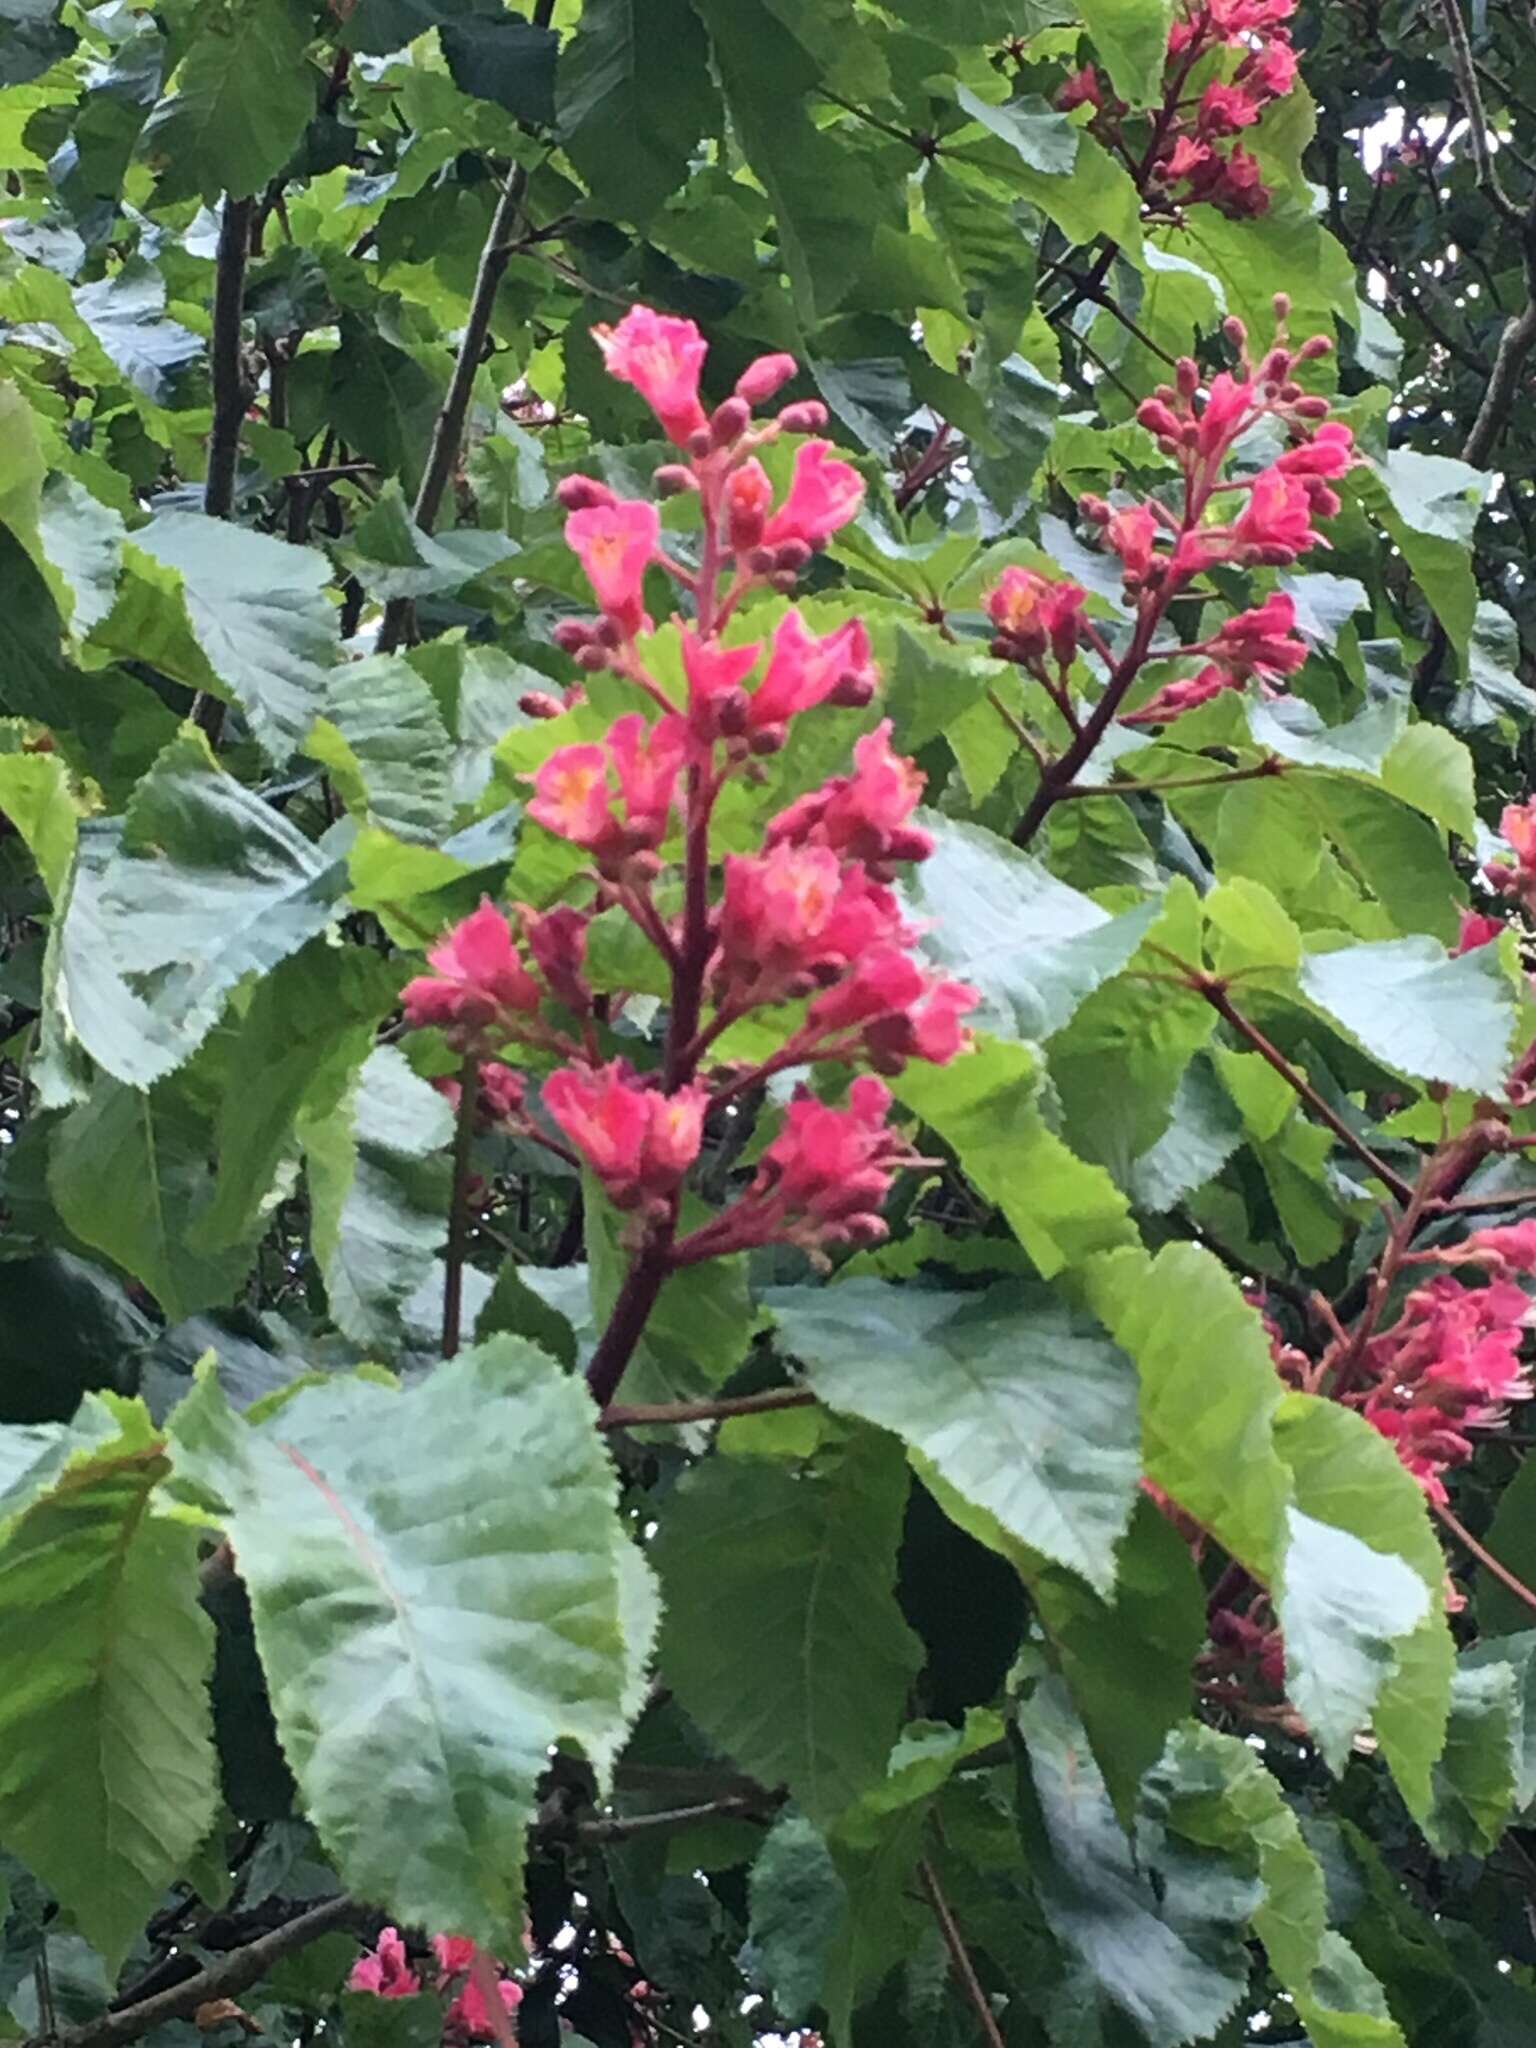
point(234, 1973)
point(227, 374)
point(959, 1956)
point(1265, 770)
point(448, 428)
point(1216, 995)
point(638, 1415)
point(623, 1827)
point(1485, 1557)
point(1472, 99)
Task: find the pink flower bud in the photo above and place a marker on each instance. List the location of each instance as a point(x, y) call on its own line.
point(805, 416)
point(539, 704)
point(764, 376)
point(729, 421)
point(673, 479)
point(581, 493)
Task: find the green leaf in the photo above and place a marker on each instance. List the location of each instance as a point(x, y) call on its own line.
point(996, 918)
point(635, 97)
point(259, 617)
point(782, 1636)
point(1171, 1957)
point(35, 798)
point(35, 40)
point(381, 401)
point(1347, 1475)
point(126, 314)
point(427, 1630)
point(1407, 1003)
point(1431, 769)
point(703, 1321)
point(986, 1106)
point(1475, 1777)
point(379, 1183)
point(130, 1174)
point(393, 557)
point(1040, 137)
point(1016, 1401)
point(106, 1753)
point(1209, 1392)
point(1511, 1538)
point(824, 195)
point(1204, 1130)
point(1131, 36)
point(499, 57)
point(1429, 505)
point(797, 1899)
point(246, 91)
point(383, 739)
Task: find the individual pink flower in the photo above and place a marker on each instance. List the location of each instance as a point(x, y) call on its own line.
point(824, 494)
point(804, 669)
point(1032, 612)
point(1277, 519)
point(574, 794)
point(1131, 532)
point(477, 977)
point(1477, 929)
point(1329, 453)
point(1501, 1248)
point(639, 1142)
point(1271, 71)
point(1237, 187)
point(385, 1969)
point(864, 815)
point(499, 1094)
point(900, 1012)
point(1186, 157)
point(1081, 89)
point(793, 916)
point(662, 357)
point(832, 1168)
point(763, 376)
point(1226, 411)
point(1235, 20)
point(1175, 698)
point(616, 544)
point(557, 941)
point(748, 502)
point(1263, 639)
point(469, 2018)
point(1224, 109)
point(718, 706)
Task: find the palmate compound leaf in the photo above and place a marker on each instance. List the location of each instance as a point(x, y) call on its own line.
point(439, 1595)
point(106, 1754)
point(1020, 1404)
point(782, 1636)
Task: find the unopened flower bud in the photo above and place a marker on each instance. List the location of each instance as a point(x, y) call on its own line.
point(605, 634)
point(1235, 331)
point(729, 421)
point(539, 704)
point(731, 709)
point(1312, 408)
point(783, 581)
point(592, 657)
point(1095, 509)
point(582, 493)
point(1282, 305)
point(1276, 366)
point(1157, 418)
point(762, 378)
point(791, 554)
point(571, 635)
point(1289, 393)
point(700, 442)
point(1314, 346)
point(854, 690)
point(768, 739)
point(760, 561)
point(673, 478)
point(1189, 376)
point(806, 416)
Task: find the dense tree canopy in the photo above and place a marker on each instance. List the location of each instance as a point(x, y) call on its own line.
point(766, 1055)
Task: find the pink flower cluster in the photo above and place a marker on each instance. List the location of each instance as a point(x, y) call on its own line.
point(1450, 1363)
point(462, 1968)
point(1192, 155)
point(1266, 520)
point(1516, 877)
point(808, 919)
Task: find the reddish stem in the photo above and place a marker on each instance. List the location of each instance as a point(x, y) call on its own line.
point(1485, 1557)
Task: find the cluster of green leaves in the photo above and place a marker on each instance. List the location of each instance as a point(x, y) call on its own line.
point(293, 1606)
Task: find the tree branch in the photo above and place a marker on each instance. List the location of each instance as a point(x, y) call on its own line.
point(458, 1205)
point(1485, 1557)
point(234, 1973)
point(638, 1415)
point(1472, 99)
point(959, 1956)
point(227, 374)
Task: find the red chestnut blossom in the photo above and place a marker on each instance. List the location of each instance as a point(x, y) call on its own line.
point(718, 706)
point(499, 1092)
point(1224, 109)
point(1131, 532)
point(557, 939)
point(763, 376)
point(1477, 929)
point(1263, 639)
point(574, 799)
point(662, 357)
point(1228, 406)
point(616, 543)
point(477, 977)
point(1235, 20)
point(804, 670)
point(863, 815)
point(901, 1012)
point(1329, 453)
point(824, 494)
point(749, 500)
point(1032, 612)
point(469, 2018)
point(1271, 72)
point(1185, 158)
point(794, 915)
point(1501, 1248)
point(1517, 823)
point(386, 1969)
point(639, 1142)
point(1277, 519)
point(1450, 1363)
point(1082, 89)
point(1183, 695)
